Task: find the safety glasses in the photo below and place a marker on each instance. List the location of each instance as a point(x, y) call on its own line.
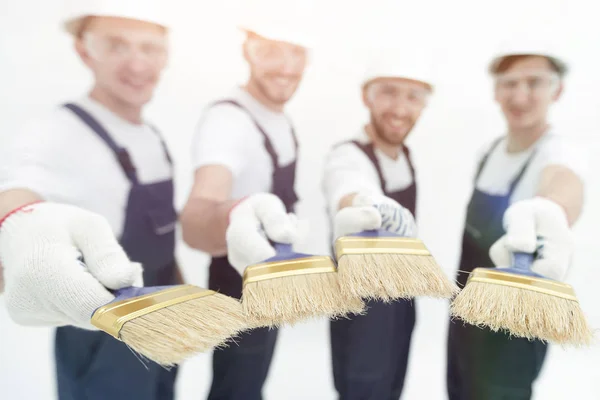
point(270, 54)
point(533, 82)
point(389, 93)
point(125, 46)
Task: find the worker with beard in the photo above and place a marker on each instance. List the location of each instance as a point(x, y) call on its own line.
point(369, 183)
point(244, 154)
point(528, 192)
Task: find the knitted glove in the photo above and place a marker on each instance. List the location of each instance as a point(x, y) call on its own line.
point(539, 226)
point(45, 282)
point(252, 222)
point(370, 212)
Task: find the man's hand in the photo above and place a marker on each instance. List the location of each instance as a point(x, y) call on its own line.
point(370, 212)
point(46, 284)
point(539, 226)
point(253, 222)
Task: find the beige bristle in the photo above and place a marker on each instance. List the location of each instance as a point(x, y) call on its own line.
point(289, 300)
point(524, 313)
point(388, 277)
point(172, 334)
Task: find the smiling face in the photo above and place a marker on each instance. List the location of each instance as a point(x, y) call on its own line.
point(276, 68)
point(126, 57)
point(525, 89)
point(395, 105)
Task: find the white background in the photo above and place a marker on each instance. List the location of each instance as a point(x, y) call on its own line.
point(38, 69)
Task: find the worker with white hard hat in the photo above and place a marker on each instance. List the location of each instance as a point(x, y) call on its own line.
point(91, 180)
point(369, 183)
point(528, 193)
point(244, 154)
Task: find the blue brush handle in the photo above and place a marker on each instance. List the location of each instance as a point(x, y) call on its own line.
point(522, 261)
point(375, 233)
point(134, 291)
point(284, 252)
point(522, 265)
point(127, 292)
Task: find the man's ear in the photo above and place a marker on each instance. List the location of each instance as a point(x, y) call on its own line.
point(559, 91)
point(365, 97)
point(245, 50)
point(82, 51)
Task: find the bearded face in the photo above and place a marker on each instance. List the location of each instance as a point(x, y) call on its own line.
point(395, 106)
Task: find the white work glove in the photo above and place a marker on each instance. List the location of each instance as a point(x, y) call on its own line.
point(541, 225)
point(370, 212)
point(45, 283)
point(252, 223)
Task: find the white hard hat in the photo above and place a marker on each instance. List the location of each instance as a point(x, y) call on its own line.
point(529, 45)
point(142, 10)
point(398, 64)
point(274, 20)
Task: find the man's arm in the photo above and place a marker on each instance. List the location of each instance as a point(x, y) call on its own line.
point(15, 198)
point(347, 172)
point(347, 200)
point(204, 219)
point(11, 200)
point(564, 187)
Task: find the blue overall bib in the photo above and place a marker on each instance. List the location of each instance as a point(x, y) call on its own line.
point(240, 370)
point(484, 365)
point(92, 365)
point(370, 352)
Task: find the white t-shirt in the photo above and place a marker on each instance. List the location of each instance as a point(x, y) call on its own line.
point(57, 156)
point(501, 167)
point(349, 170)
point(226, 135)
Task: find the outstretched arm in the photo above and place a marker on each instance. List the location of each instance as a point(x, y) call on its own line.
point(561, 185)
point(205, 217)
point(11, 200)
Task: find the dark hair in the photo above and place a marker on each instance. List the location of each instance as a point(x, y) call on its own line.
point(506, 62)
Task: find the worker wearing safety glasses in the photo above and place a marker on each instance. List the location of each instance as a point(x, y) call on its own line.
point(528, 192)
point(369, 183)
point(244, 154)
point(92, 181)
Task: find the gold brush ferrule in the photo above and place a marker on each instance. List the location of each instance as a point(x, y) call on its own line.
point(111, 317)
point(356, 245)
point(541, 285)
point(283, 268)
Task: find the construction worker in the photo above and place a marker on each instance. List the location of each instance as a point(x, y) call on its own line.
point(92, 178)
point(528, 192)
point(244, 154)
point(369, 183)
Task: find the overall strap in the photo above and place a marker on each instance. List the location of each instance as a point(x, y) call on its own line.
point(517, 178)
point(164, 145)
point(406, 152)
point(369, 151)
point(121, 154)
point(486, 156)
point(267, 141)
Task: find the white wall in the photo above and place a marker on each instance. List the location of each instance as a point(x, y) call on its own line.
point(38, 69)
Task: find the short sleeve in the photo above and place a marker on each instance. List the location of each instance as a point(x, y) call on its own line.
point(34, 158)
point(568, 153)
point(348, 170)
point(224, 136)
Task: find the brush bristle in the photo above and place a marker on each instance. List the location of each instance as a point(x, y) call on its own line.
point(172, 334)
point(288, 300)
point(524, 313)
point(388, 277)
